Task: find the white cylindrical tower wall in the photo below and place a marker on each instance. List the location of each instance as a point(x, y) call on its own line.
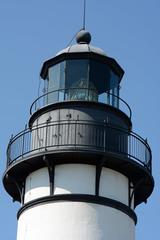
point(37, 185)
point(77, 179)
point(75, 220)
point(74, 178)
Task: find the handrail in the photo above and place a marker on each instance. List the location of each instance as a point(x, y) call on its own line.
point(86, 135)
point(110, 99)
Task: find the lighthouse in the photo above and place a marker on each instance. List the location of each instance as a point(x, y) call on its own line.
point(79, 170)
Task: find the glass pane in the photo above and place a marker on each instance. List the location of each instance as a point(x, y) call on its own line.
point(104, 80)
point(99, 76)
point(77, 74)
point(56, 77)
point(76, 79)
point(114, 81)
point(114, 89)
point(62, 75)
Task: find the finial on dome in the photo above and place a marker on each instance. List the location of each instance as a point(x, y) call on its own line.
point(83, 37)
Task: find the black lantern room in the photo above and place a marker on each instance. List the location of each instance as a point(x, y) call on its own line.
point(82, 73)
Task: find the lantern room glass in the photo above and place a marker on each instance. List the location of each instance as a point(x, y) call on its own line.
point(82, 80)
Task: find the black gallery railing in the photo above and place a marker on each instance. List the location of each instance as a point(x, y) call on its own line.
point(80, 94)
point(79, 135)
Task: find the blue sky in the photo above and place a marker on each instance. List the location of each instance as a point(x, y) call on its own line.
point(32, 31)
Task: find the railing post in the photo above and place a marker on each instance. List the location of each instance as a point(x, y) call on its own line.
point(118, 97)
point(75, 135)
point(9, 151)
point(104, 136)
point(35, 106)
point(47, 123)
point(129, 144)
point(148, 161)
point(88, 94)
point(23, 140)
point(44, 91)
point(108, 98)
point(46, 138)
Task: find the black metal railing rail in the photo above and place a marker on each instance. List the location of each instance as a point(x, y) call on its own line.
point(80, 94)
point(79, 135)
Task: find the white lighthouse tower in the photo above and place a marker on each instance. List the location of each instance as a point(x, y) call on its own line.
point(78, 170)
